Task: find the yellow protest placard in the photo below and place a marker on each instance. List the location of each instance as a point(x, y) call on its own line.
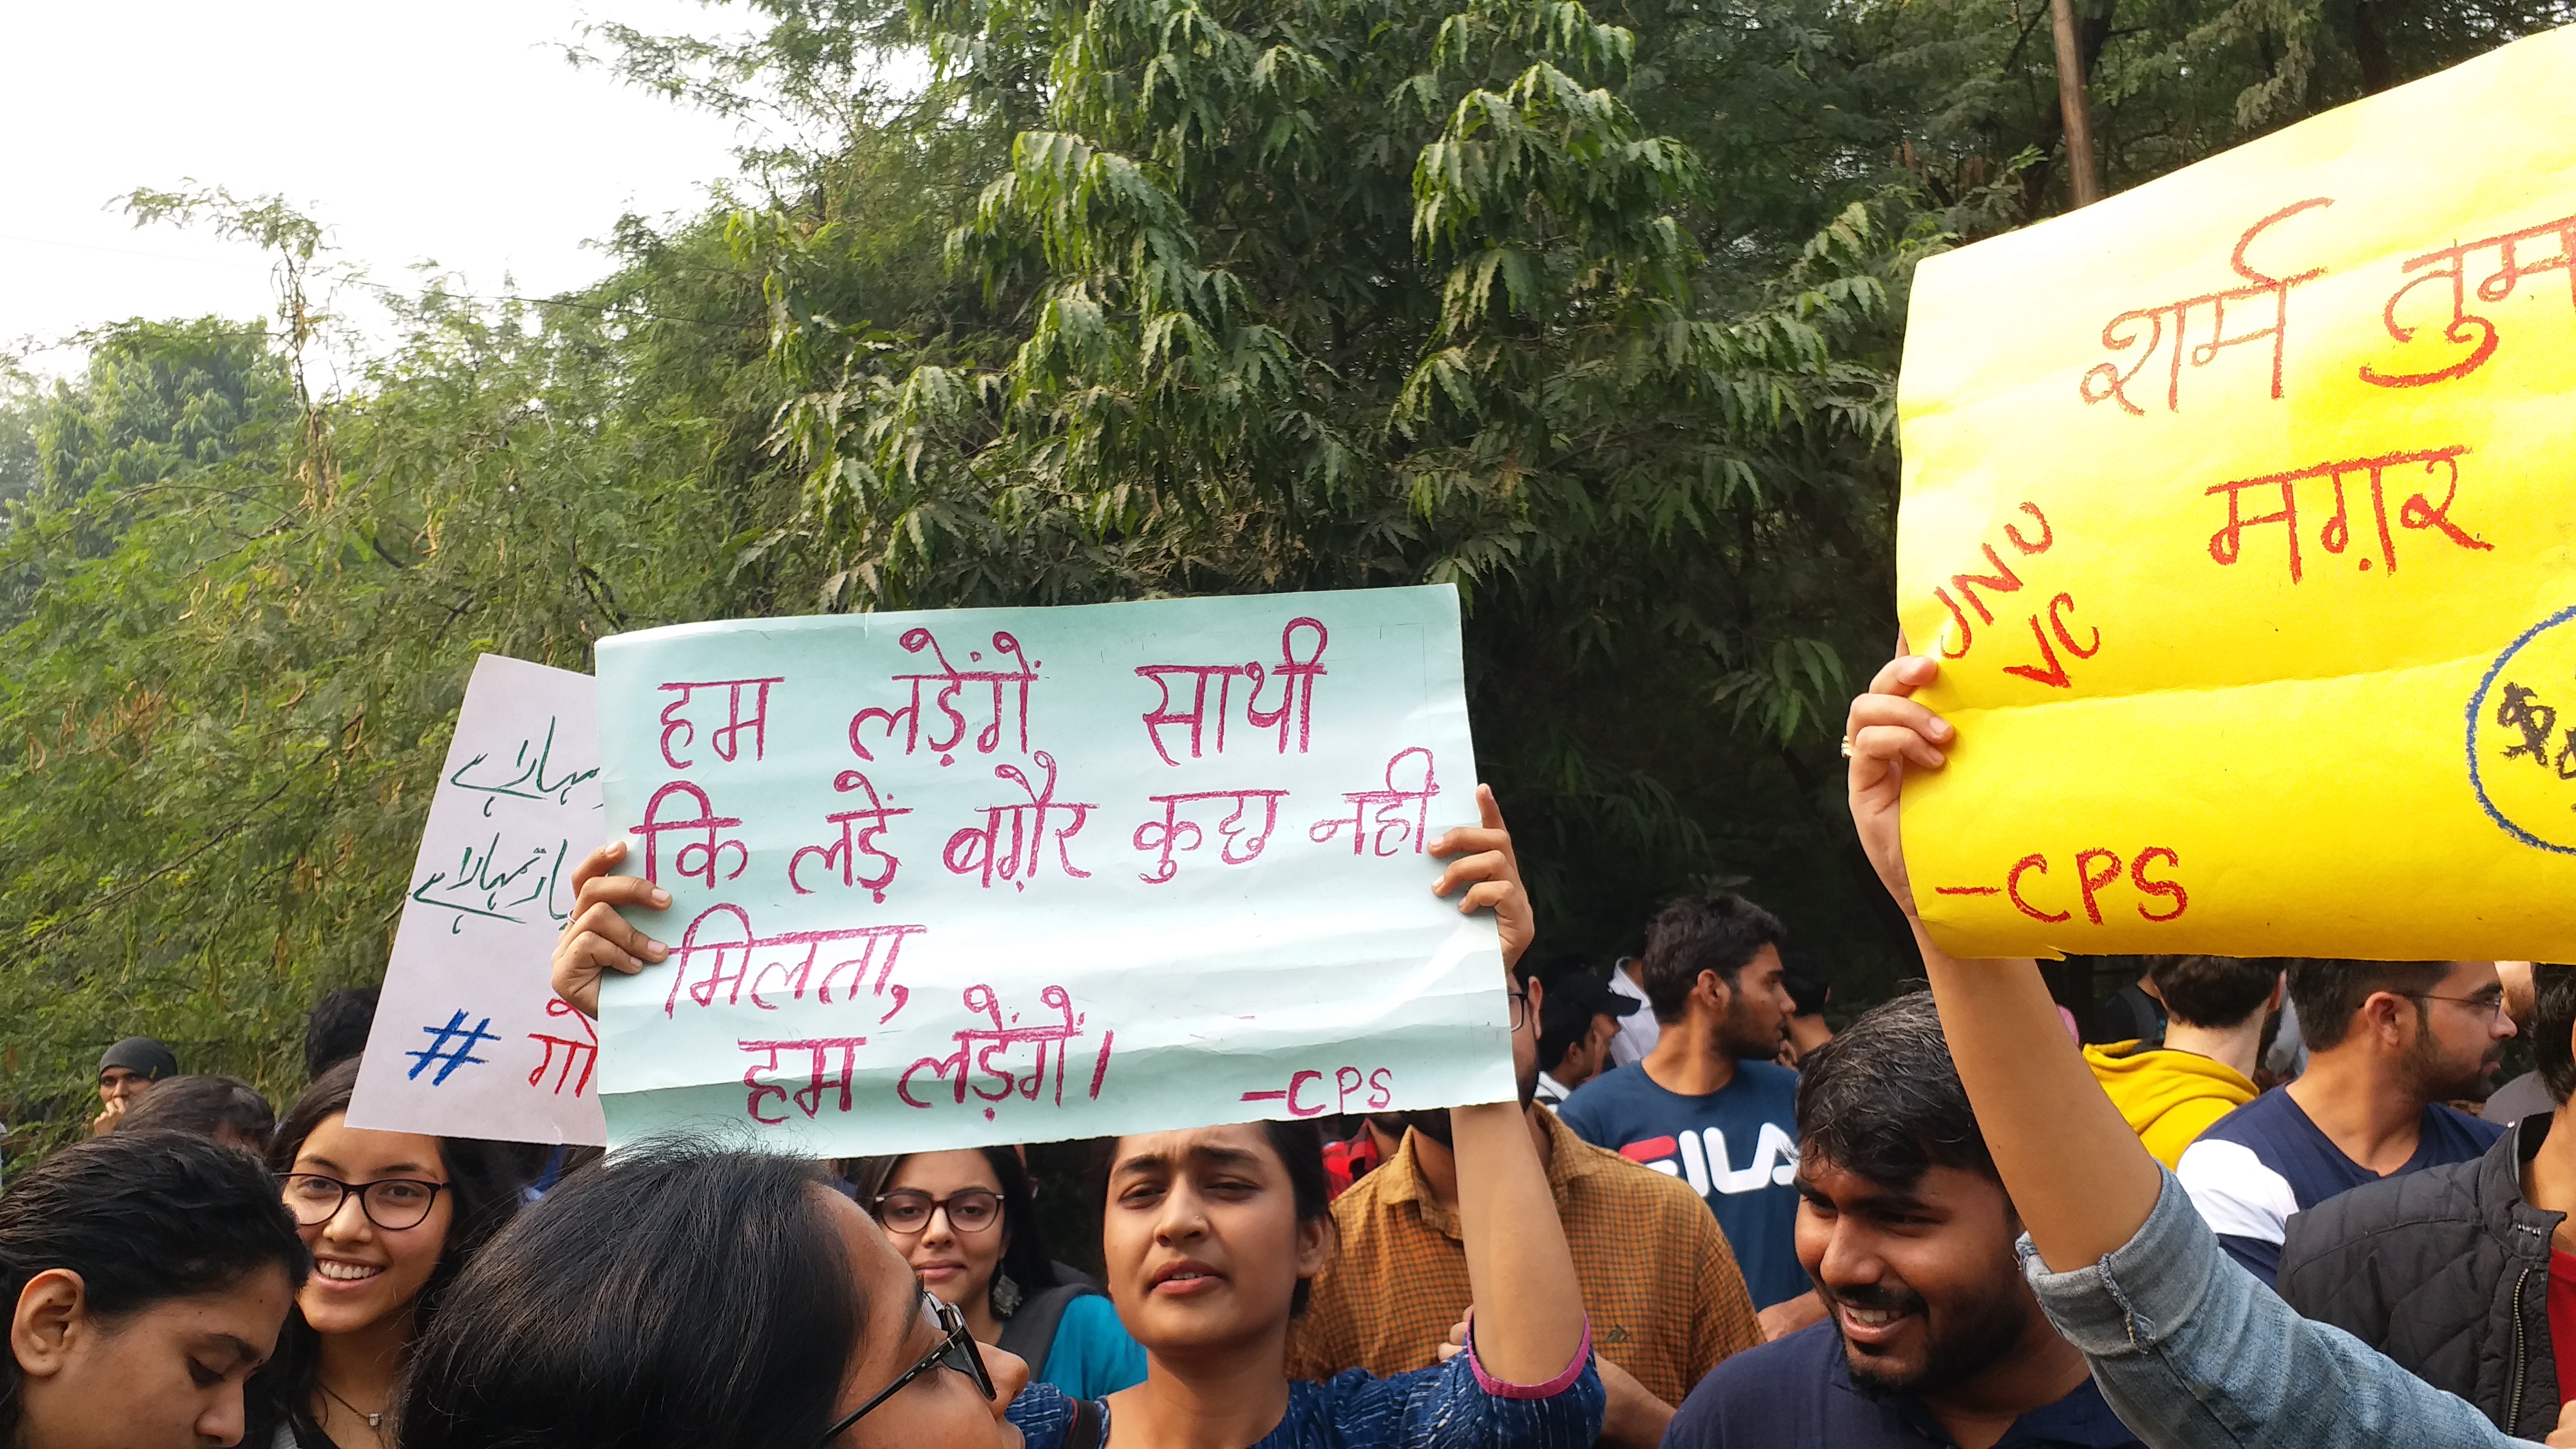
point(2240, 508)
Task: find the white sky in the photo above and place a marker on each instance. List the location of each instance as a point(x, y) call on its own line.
point(455, 132)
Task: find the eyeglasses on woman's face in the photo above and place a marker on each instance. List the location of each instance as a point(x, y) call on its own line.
point(391, 1203)
point(907, 1210)
point(956, 1349)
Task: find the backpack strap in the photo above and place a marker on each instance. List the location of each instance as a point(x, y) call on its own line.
point(1089, 1427)
point(1030, 1332)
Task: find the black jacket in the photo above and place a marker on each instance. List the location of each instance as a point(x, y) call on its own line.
point(2447, 1272)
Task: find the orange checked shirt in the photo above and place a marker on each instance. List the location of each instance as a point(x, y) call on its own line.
point(1666, 1299)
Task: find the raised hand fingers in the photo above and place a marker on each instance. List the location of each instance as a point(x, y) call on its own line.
point(1904, 674)
point(1887, 727)
point(598, 863)
point(602, 924)
point(1485, 865)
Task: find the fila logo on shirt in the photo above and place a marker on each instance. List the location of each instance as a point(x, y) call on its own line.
point(1700, 1159)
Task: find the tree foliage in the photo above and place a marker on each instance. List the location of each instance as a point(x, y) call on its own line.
point(1590, 307)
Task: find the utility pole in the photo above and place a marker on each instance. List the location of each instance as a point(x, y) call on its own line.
point(2075, 101)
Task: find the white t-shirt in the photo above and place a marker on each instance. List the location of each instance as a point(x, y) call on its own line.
point(1637, 1030)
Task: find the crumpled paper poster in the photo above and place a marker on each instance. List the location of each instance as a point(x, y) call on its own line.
point(1013, 875)
point(2239, 508)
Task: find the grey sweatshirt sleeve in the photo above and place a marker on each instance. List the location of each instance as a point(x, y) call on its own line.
point(2192, 1353)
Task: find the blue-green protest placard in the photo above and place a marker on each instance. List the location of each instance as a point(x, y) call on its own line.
point(997, 875)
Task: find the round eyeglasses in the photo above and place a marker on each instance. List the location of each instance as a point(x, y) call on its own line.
point(907, 1210)
point(391, 1203)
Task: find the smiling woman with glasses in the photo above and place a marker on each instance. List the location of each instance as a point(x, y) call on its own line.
point(390, 1219)
point(678, 1296)
point(966, 1222)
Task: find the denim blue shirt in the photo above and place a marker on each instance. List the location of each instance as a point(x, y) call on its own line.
point(2193, 1353)
point(1435, 1408)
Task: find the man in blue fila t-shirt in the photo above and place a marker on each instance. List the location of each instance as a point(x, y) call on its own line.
point(1708, 1105)
point(2389, 1042)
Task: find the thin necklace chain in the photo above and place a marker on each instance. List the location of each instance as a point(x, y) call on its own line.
point(374, 1420)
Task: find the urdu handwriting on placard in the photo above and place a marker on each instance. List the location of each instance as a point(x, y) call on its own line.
point(480, 886)
point(530, 783)
point(519, 799)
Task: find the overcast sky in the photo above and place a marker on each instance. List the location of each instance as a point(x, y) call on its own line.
point(453, 132)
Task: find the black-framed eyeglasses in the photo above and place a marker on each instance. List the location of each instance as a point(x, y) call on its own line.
point(957, 1349)
point(907, 1210)
point(2492, 1004)
point(391, 1203)
point(1520, 1008)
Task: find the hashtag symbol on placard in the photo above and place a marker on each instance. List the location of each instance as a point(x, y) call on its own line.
point(451, 1046)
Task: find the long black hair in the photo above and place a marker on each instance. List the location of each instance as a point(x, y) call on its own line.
point(1024, 1250)
point(671, 1295)
point(142, 1217)
point(484, 1188)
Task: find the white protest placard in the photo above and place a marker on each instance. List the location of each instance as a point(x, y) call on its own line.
point(945, 879)
point(469, 1039)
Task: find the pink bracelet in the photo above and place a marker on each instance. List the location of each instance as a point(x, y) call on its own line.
point(1553, 1387)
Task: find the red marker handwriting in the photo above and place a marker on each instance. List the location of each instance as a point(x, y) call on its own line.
point(2104, 381)
point(730, 962)
point(727, 737)
point(1009, 701)
point(2060, 630)
point(971, 850)
point(2093, 882)
point(2371, 476)
point(977, 1046)
point(710, 851)
point(1295, 675)
point(1242, 842)
point(2448, 269)
point(1375, 815)
point(860, 831)
point(821, 1077)
point(1307, 1096)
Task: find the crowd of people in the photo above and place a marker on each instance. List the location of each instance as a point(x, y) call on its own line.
point(2291, 1209)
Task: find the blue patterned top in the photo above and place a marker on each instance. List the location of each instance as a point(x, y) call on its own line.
point(1435, 1408)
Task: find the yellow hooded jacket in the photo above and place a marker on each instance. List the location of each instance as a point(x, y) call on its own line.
point(2168, 1097)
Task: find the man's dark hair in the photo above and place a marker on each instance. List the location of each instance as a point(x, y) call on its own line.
point(1719, 932)
point(200, 1105)
point(2215, 991)
point(142, 1217)
point(337, 1027)
point(485, 1188)
point(1563, 1023)
point(1883, 1100)
point(671, 1296)
point(2327, 992)
point(1806, 980)
point(2553, 1017)
point(1025, 1259)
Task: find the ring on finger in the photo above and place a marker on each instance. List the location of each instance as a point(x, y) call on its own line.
point(1847, 747)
